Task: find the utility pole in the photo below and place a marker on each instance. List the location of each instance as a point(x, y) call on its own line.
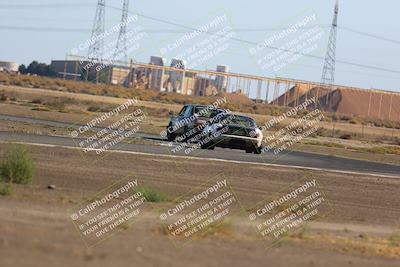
point(328, 73)
point(121, 50)
point(96, 47)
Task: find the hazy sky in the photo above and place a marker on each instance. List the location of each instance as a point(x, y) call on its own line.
point(381, 18)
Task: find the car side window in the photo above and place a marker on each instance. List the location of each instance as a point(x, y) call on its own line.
point(188, 111)
point(183, 111)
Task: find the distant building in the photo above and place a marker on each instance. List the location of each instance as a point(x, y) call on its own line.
point(154, 76)
point(9, 66)
point(119, 75)
point(205, 86)
point(221, 82)
point(177, 78)
point(156, 80)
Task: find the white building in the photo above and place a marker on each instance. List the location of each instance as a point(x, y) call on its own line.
point(9, 66)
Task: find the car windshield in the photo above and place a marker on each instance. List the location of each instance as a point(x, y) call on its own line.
point(243, 121)
point(238, 121)
point(202, 111)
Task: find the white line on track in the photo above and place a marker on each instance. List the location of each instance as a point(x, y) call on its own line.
point(216, 160)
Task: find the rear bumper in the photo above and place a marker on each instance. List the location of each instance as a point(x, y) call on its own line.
point(236, 141)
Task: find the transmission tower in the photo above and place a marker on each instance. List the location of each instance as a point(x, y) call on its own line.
point(120, 52)
point(328, 73)
point(97, 41)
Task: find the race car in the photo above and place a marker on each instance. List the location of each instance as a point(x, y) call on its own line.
point(190, 121)
point(233, 131)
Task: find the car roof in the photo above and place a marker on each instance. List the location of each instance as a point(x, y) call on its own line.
point(242, 116)
point(204, 106)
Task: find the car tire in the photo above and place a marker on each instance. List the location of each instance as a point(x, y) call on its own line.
point(171, 137)
point(257, 150)
point(209, 146)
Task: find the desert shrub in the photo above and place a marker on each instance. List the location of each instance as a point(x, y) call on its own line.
point(346, 136)
point(321, 132)
point(57, 104)
point(152, 194)
point(354, 121)
point(37, 101)
point(41, 109)
point(6, 189)
point(18, 166)
point(100, 108)
point(3, 97)
point(380, 150)
point(397, 141)
point(346, 118)
point(394, 240)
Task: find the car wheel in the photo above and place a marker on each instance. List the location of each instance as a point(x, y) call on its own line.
point(211, 147)
point(248, 150)
point(171, 137)
point(257, 150)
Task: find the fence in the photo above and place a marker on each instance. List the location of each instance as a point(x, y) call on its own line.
point(374, 104)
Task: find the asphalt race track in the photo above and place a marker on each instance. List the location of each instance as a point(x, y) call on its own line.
point(290, 159)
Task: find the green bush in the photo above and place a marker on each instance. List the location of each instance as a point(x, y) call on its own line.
point(18, 166)
point(6, 189)
point(152, 194)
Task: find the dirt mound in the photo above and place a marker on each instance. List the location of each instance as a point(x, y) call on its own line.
point(373, 104)
point(237, 98)
point(364, 103)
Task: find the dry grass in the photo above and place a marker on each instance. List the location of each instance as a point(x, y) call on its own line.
point(222, 229)
point(362, 244)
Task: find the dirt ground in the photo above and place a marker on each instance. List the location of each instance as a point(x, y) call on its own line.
point(36, 230)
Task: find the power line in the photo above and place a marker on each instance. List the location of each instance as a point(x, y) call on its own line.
point(63, 30)
point(43, 29)
point(51, 29)
point(255, 43)
point(18, 6)
point(55, 29)
point(369, 35)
